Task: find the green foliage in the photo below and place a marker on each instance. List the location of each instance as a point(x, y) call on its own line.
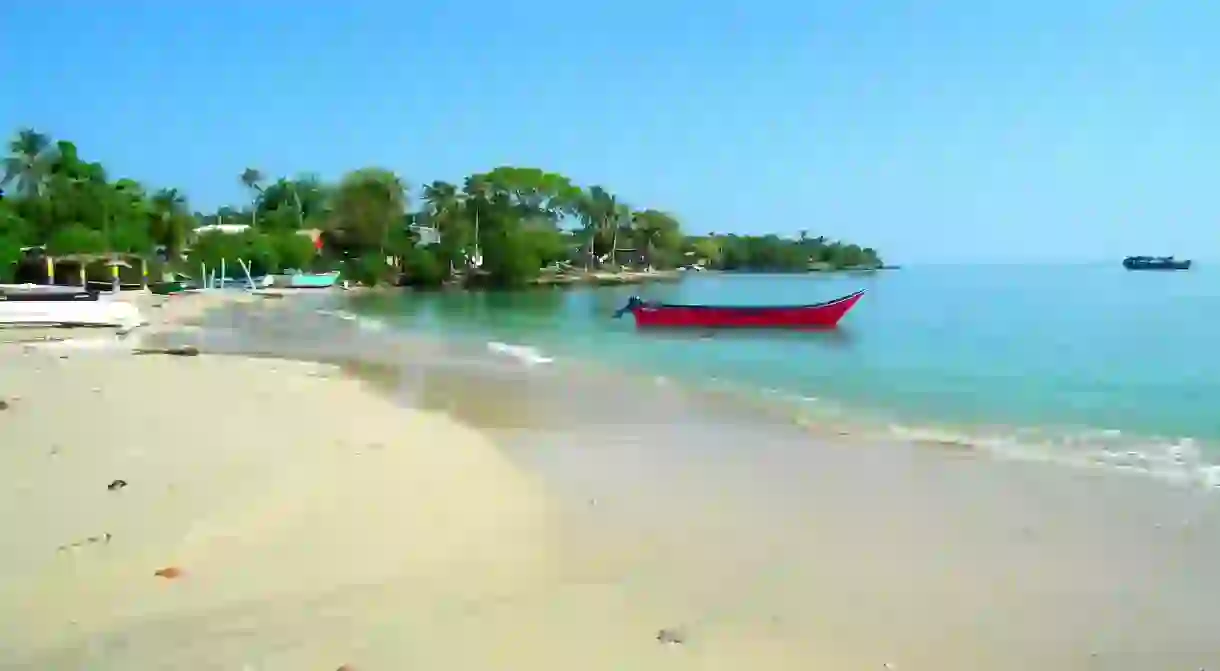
point(370, 268)
point(265, 252)
point(658, 237)
point(13, 227)
point(511, 260)
point(10, 253)
point(772, 253)
point(212, 248)
point(369, 203)
point(293, 250)
point(260, 251)
point(76, 239)
point(495, 228)
point(548, 245)
point(423, 267)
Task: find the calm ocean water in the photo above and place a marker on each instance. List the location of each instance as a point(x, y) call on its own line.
point(1087, 363)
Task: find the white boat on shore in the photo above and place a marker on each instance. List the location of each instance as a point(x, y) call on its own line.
point(54, 291)
point(64, 306)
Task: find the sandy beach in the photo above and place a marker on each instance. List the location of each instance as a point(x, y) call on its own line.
point(263, 481)
point(226, 512)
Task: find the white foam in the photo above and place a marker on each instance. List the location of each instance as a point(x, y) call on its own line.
point(526, 354)
point(370, 324)
point(1179, 461)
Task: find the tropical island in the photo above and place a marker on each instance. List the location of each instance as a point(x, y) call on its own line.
point(506, 228)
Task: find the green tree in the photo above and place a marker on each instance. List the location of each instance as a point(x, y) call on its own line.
point(516, 218)
point(511, 258)
point(293, 250)
point(368, 204)
point(252, 179)
point(76, 238)
point(658, 235)
point(708, 250)
point(446, 210)
point(598, 209)
point(169, 221)
point(422, 267)
point(26, 167)
point(293, 204)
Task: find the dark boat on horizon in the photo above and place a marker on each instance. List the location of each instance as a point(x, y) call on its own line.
point(1155, 263)
point(666, 315)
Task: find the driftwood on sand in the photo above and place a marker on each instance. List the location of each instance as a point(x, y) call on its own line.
point(184, 350)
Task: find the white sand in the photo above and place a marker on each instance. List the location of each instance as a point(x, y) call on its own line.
point(261, 479)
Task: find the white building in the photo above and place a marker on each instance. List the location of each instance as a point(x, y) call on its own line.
point(228, 229)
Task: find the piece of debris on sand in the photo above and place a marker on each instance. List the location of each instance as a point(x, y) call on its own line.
point(169, 573)
point(671, 636)
point(70, 547)
point(185, 350)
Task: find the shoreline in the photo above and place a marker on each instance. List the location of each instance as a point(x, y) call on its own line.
point(605, 278)
point(1174, 460)
point(321, 519)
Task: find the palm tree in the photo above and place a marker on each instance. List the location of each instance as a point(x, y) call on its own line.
point(169, 212)
point(252, 179)
point(444, 207)
point(29, 160)
point(478, 192)
point(653, 227)
point(623, 219)
point(444, 203)
point(601, 211)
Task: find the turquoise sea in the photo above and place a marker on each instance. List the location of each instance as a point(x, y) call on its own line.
point(1082, 363)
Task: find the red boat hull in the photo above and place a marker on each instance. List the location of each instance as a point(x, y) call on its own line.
point(816, 316)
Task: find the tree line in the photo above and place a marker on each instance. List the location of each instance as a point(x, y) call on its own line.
point(772, 253)
point(501, 228)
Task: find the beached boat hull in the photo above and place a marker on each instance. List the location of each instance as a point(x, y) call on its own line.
point(94, 311)
point(306, 280)
point(167, 288)
point(815, 316)
point(43, 292)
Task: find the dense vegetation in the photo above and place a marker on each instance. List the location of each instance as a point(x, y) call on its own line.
point(499, 228)
point(771, 253)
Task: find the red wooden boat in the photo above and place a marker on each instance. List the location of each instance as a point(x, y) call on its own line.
point(814, 316)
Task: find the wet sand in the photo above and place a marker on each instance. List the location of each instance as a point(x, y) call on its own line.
point(319, 522)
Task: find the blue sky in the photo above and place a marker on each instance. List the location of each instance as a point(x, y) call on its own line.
point(934, 131)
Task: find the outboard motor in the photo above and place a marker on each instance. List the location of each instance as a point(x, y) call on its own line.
point(632, 303)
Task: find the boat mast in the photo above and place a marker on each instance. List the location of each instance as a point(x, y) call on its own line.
point(477, 259)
